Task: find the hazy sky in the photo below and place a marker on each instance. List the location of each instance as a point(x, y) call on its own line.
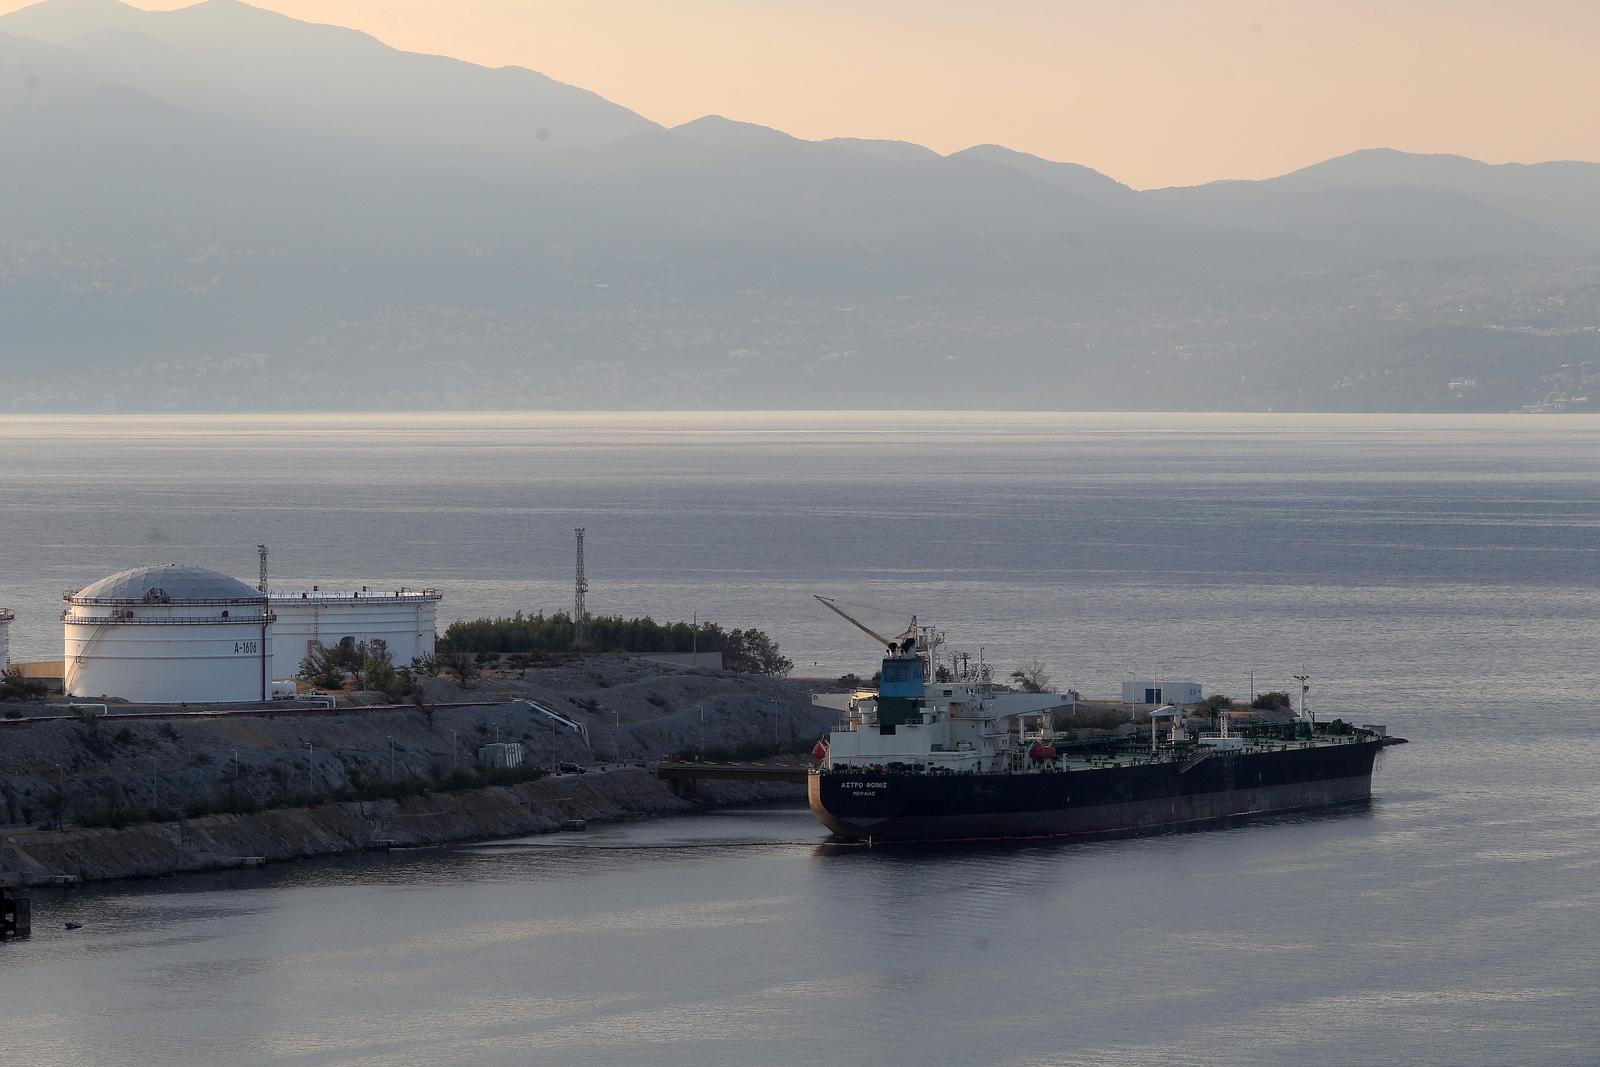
point(1154, 92)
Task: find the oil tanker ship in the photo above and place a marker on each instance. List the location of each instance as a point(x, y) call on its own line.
point(939, 751)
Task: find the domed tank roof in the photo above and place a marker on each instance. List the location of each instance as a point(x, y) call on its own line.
point(172, 583)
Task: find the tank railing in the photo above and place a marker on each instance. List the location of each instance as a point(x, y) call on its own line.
point(199, 620)
point(311, 596)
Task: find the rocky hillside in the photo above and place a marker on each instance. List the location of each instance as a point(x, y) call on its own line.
point(118, 772)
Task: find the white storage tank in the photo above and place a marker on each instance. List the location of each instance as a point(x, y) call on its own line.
point(406, 620)
point(168, 635)
point(6, 619)
point(1141, 691)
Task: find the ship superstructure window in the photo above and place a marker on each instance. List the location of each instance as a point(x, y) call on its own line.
point(900, 670)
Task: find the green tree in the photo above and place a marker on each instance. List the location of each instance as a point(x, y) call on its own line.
point(377, 669)
point(751, 650)
point(420, 700)
point(322, 667)
point(462, 664)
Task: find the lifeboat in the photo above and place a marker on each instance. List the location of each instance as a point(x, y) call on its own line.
point(819, 751)
point(1042, 752)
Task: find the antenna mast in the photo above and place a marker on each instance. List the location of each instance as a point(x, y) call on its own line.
point(580, 612)
point(1304, 678)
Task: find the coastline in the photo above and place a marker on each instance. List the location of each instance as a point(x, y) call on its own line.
point(164, 791)
point(221, 842)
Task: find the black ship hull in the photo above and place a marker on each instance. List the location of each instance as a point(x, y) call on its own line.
point(1129, 799)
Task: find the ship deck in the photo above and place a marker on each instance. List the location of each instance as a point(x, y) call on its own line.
point(1131, 756)
point(1126, 752)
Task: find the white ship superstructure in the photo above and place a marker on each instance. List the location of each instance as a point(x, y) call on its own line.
point(959, 723)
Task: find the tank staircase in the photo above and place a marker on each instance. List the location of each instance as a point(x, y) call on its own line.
point(75, 668)
point(577, 727)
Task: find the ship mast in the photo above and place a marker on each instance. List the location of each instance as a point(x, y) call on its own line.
point(1304, 679)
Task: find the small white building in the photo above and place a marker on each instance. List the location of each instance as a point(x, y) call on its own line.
point(167, 635)
point(503, 754)
point(1144, 691)
point(405, 620)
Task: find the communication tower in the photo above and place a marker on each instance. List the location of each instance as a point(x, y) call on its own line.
point(580, 613)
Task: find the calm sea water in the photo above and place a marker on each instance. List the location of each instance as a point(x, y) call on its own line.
point(1439, 575)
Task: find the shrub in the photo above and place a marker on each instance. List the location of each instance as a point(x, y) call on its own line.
point(323, 667)
point(1097, 718)
point(461, 663)
point(14, 687)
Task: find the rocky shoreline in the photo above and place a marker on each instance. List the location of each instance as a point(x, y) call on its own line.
point(218, 842)
point(186, 790)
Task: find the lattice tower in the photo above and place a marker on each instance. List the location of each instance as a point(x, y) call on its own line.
point(580, 612)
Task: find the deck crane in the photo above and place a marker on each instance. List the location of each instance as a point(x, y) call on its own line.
point(883, 641)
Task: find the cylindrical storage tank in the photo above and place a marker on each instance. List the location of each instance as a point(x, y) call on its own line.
point(168, 635)
point(406, 620)
point(5, 637)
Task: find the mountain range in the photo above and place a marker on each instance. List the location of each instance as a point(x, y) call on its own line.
point(221, 207)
